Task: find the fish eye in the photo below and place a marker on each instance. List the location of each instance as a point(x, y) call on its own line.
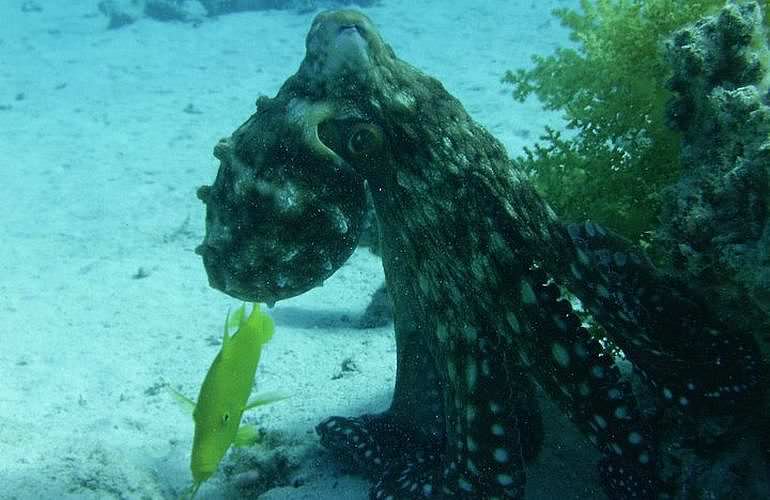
point(225, 418)
point(365, 139)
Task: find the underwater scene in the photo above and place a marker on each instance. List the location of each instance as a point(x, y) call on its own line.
point(385, 249)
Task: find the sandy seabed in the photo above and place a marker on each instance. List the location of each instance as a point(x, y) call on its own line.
point(105, 136)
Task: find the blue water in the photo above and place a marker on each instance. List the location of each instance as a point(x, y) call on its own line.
point(105, 136)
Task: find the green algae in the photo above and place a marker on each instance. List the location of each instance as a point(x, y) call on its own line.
point(618, 153)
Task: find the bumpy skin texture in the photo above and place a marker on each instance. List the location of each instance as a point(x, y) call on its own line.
point(282, 229)
point(474, 263)
point(716, 228)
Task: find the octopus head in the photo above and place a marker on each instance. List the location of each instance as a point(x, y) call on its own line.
point(283, 213)
point(344, 52)
point(288, 203)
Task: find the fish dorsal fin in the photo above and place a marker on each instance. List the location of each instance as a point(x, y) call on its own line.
point(233, 321)
point(238, 318)
point(223, 352)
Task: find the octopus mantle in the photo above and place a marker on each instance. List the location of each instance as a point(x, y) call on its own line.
point(477, 267)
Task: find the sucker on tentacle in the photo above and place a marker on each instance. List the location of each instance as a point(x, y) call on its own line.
point(660, 324)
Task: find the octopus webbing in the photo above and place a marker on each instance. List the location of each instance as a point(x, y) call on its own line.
point(481, 273)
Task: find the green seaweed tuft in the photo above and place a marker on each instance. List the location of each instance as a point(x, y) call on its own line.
point(612, 89)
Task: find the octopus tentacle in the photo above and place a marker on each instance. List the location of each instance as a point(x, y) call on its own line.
point(481, 452)
point(405, 464)
point(484, 449)
point(417, 396)
point(351, 439)
point(399, 449)
point(576, 371)
point(659, 323)
point(571, 365)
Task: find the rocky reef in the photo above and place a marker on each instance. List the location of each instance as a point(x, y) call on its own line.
point(715, 225)
point(123, 12)
point(715, 230)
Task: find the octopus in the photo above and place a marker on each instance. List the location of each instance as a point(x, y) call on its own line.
point(482, 274)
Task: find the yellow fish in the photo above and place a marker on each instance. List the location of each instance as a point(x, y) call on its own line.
point(224, 394)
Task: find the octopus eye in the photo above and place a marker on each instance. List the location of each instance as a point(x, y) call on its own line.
point(365, 139)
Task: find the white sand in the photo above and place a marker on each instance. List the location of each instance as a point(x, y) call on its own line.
point(100, 164)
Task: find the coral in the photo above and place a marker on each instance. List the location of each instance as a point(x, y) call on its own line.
point(611, 88)
point(715, 229)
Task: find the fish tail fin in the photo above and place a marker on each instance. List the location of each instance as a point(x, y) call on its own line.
point(262, 322)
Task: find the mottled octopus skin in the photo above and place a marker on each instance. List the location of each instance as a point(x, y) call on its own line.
point(475, 263)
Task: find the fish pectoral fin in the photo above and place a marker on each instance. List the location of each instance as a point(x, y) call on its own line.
point(264, 398)
point(247, 435)
point(186, 403)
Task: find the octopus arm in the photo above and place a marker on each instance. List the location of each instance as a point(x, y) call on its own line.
point(695, 360)
point(544, 338)
point(463, 418)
